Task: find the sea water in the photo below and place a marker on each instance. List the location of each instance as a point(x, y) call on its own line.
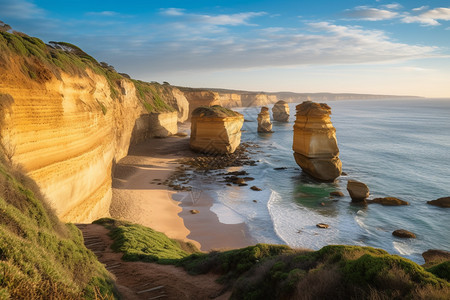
point(399, 148)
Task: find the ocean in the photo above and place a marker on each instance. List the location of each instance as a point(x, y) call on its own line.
point(399, 148)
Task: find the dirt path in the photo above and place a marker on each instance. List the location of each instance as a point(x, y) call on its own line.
point(138, 280)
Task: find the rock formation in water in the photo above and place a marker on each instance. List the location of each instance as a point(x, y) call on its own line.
point(441, 202)
point(215, 130)
point(315, 146)
point(264, 124)
point(281, 111)
point(388, 201)
point(358, 191)
point(402, 233)
point(66, 119)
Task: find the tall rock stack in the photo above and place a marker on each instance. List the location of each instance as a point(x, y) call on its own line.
point(281, 111)
point(215, 130)
point(315, 146)
point(264, 124)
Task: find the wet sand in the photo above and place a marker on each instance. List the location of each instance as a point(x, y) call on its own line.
point(139, 196)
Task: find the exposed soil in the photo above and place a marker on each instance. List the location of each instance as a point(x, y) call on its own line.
point(139, 280)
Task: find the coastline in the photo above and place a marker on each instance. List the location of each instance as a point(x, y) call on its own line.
point(140, 196)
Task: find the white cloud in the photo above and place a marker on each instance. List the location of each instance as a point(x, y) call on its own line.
point(430, 17)
point(420, 8)
point(392, 6)
point(20, 9)
point(106, 13)
point(369, 13)
point(218, 20)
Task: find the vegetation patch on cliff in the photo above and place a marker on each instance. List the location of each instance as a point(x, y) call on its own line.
point(150, 96)
point(41, 258)
point(279, 272)
point(214, 111)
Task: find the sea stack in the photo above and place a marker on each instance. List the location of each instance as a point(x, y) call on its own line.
point(264, 124)
point(215, 130)
point(315, 145)
point(281, 111)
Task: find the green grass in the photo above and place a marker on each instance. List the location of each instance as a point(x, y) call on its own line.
point(267, 271)
point(153, 96)
point(214, 111)
point(41, 258)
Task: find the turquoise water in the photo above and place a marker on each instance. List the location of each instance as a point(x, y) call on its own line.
point(398, 148)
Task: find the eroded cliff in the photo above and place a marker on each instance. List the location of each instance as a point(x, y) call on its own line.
point(67, 119)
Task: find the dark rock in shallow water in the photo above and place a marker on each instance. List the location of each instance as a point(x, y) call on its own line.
point(322, 225)
point(280, 168)
point(388, 201)
point(358, 191)
point(337, 194)
point(434, 255)
point(255, 188)
point(441, 202)
point(402, 233)
point(194, 211)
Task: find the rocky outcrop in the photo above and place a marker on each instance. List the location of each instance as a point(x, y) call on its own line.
point(388, 201)
point(264, 124)
point(180, 104)
point(435, 256)
point(441, 202)
point(402, 233)
point(230, 100)
point(315, 146)
point(66, 124)
point(358, 191)
point(198, 97)
point(154, 125)
point(257, 99)
point(215, 130)
point(281, 111)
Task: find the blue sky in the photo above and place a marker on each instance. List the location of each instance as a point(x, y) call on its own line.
point(383, 47)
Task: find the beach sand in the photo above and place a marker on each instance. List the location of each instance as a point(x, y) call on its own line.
point(140, 197)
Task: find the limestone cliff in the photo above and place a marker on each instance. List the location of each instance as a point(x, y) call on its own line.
point(257, 99)
point(315, 145)
point(215, 130)
point(66, 119)
point(200, 97)
point(281, 111)
point(264, 124)
point(230, 100)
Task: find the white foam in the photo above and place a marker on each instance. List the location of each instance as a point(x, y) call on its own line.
point(226, 215)
point(403, 248)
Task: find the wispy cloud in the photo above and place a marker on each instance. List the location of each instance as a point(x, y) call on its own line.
point(369, 13)
point(20, 9)
point(429, 17)
point(106, 13)
point(424, 7)
point(220, 20)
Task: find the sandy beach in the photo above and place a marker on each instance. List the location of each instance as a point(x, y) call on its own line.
point(139, 196)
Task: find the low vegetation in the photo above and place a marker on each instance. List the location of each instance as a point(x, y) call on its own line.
point(150, 96)
point(41, 258)
point(215, 111)
point(279, 272)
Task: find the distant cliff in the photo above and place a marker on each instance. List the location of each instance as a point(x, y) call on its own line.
point(67, 119)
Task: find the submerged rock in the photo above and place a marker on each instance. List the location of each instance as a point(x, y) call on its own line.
point(441, 202)
point(322, 225)
point(388, 201)
point(337, 194)
point(434, 255)
point(315, 145)
point(402, 233)
point(264, 124)
point(281, 111)
point(358, 191)
point(215, 130)
point(255, 188)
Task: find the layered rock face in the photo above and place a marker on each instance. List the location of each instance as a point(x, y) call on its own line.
point(215, 130)
point(281, 111)
point(197, 98)
point(230, 100)
point(315, 146)
point(155, 125)
point(67, 128)
point(180, 103)
point(257, 99)
point(264, 124)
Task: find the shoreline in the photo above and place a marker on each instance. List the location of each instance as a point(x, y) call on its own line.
point(141, 196)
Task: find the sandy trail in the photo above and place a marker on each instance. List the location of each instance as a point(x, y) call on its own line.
point(138, 280)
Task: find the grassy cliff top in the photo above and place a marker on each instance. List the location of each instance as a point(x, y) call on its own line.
point(41, 258)
point(214, 111)
point(279, 272)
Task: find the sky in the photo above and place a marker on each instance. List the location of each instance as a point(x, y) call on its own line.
point(346, 46)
